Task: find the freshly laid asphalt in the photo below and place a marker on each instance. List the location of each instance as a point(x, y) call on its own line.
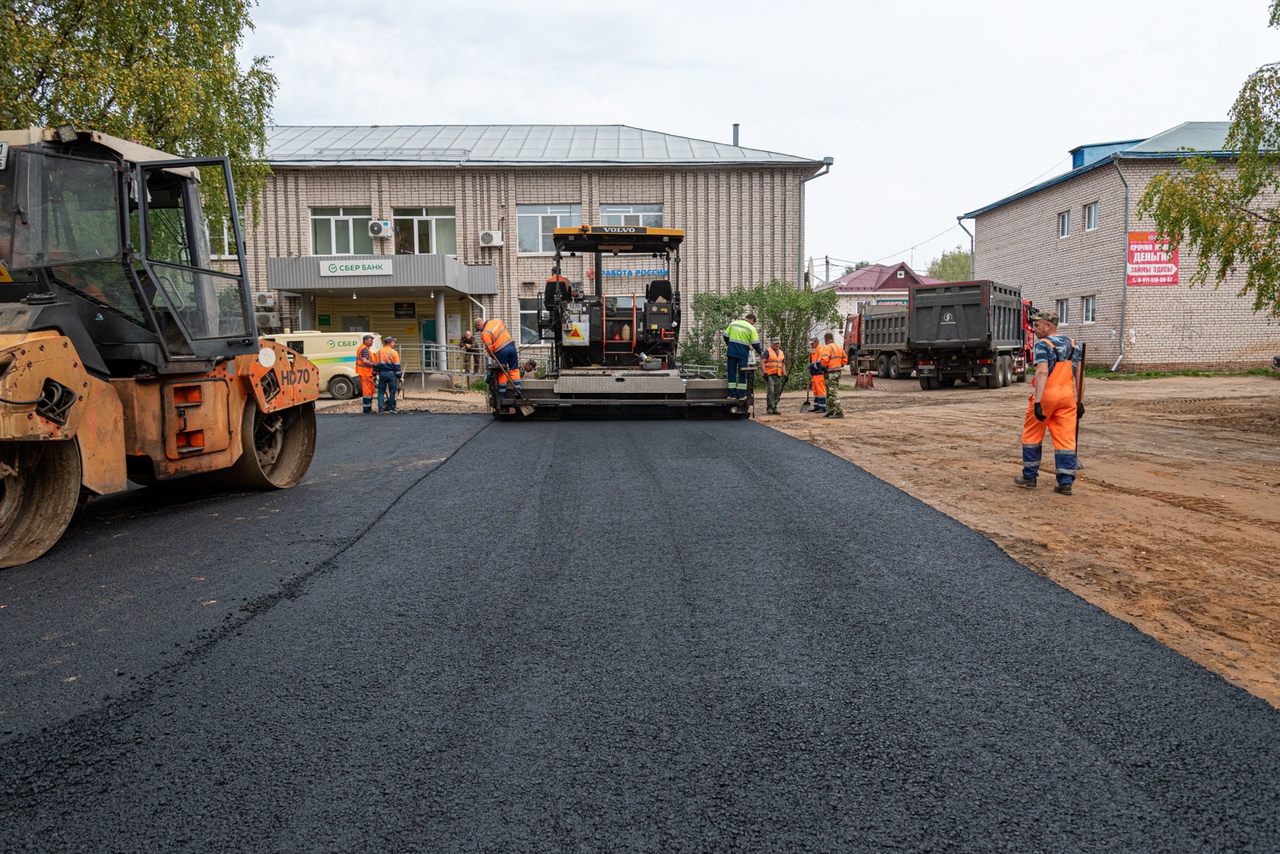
point(464, 635)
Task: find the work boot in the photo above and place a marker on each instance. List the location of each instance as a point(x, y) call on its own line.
point(1026, 482)
point(1063, 489)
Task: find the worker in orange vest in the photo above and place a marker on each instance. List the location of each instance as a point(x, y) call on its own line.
point(389, 372)
point(497, 342)
point(1053, 405)
point(775, 375)
point(833, 361)
point(818, 377)
point(365, 365)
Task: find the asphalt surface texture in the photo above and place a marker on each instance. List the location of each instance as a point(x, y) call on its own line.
point(458, 634)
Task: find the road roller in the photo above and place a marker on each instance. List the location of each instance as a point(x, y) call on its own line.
point(128, 349)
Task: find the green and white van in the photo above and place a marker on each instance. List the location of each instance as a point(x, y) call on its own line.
point(334, 353)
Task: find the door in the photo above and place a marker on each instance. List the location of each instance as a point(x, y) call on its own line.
point(429, 344)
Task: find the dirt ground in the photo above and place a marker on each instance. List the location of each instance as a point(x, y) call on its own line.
point(1174, 524)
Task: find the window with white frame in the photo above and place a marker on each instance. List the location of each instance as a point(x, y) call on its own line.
point(425, 231)
point(341, 231)
point(649, 216)
point(1061, 307)
point(1088, 309)
point(1091, 216)
point(224, 247)
point(529, 309)
point(1064, 224)
point(534, 224)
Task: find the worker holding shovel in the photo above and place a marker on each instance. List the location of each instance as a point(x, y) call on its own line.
point(817, 377)
point(497, 342)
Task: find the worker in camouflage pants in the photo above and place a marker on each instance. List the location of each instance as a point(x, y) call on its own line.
point(834, 360)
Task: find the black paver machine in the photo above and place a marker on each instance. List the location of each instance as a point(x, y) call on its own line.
point(614, 350)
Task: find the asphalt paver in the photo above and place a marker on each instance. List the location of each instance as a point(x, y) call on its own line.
point(655, 635)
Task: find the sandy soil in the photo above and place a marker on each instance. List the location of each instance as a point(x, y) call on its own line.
point(1174, 524)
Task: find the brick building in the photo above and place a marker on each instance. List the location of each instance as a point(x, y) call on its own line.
point(1075, 244)
point(466, 214)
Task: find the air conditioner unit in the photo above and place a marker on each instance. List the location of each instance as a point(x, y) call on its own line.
point(379, 228)
point(491, 238)
point(264, 300)
point(267, 319)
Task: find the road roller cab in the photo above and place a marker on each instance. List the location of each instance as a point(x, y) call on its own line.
point(127, 353)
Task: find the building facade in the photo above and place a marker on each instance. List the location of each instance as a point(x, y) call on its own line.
point(1076, 245)
point(464, 215)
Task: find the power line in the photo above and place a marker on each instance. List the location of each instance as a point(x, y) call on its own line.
point(915, 246)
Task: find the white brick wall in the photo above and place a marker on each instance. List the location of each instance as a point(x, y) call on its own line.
point(1164, 326)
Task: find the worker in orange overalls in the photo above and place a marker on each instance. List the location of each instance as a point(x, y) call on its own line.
point(818, 377)
point(389, 372)
point(1053, 405)
point(775, 376)
point(365, 364)
point(497, 342)
point(833, 360)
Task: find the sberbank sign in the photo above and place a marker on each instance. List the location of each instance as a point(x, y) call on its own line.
point(380, 267)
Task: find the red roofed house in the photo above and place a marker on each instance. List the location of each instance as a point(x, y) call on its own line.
point(875, 284)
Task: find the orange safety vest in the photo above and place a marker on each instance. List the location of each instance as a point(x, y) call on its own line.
point(832, 356)
point(774, 362)
point(364, 361)
point(388, 355)
point(495, 335)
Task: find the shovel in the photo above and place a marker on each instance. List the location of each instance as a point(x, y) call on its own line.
point(805, 407)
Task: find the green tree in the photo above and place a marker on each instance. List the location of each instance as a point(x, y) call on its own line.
point(953, 266)
point(1230, 218)
point(161, 72)
point(782, 311)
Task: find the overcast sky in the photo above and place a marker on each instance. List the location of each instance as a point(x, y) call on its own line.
point(931, 108)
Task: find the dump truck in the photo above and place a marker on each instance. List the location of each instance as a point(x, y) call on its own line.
point(958, 331)
point(614, 354)
point(126, 352)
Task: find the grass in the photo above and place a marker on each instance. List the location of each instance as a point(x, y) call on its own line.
point(1106, 374)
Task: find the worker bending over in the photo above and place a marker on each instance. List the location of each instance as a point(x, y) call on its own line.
point(497, 342)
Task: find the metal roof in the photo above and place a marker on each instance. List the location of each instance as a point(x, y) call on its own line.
point(1201, 137)
point(505, 145)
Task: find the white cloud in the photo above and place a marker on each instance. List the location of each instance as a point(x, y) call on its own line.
point(930, 108)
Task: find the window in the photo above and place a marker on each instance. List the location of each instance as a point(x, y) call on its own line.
point(529, 309)
point(1088, 309)
point(224, 247)
point(649, 216)
point(534, 224)
point(1064, 224)
point(1061, 307)
point(422, 231)
point(1091, 216)
point(341, 231)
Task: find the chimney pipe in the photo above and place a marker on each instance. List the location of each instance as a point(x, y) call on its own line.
point(735, 133)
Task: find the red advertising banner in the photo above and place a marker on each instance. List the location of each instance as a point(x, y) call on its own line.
point(1150, 261)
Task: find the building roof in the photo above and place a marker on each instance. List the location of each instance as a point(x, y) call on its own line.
point(505, 145)
point(1202, 137)
point(879, 277)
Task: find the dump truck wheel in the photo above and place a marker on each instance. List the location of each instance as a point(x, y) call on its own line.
point(277, 447)
point(39, 489)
